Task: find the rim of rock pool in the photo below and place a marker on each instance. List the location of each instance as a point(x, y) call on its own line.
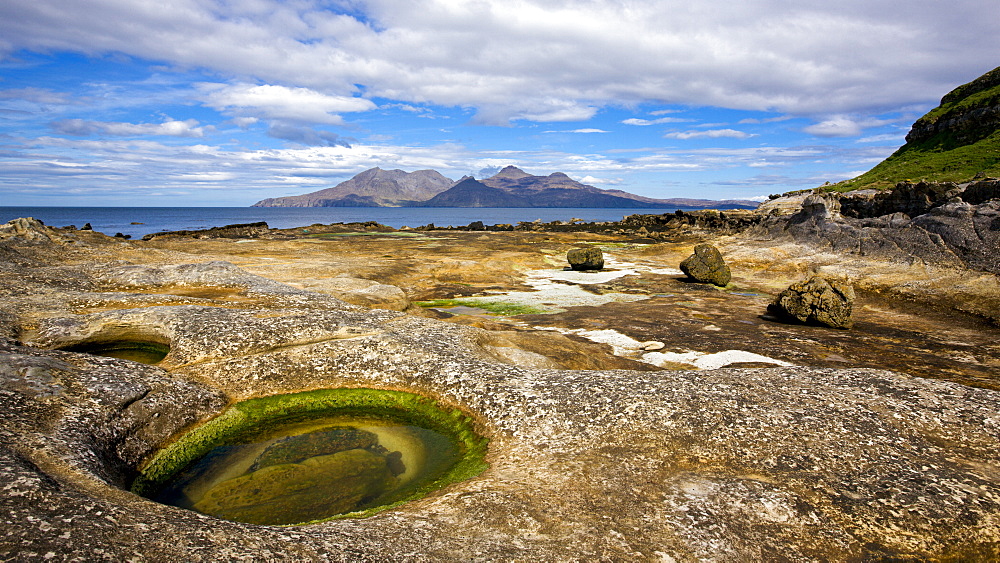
point(142, 350)
point(245, 421)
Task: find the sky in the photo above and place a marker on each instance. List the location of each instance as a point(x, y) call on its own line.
point(227, 102)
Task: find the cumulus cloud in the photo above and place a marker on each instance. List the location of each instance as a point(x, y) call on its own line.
point(169, 128)
point(710, 134)
point(269, 101)
point(525, 59)
point(590, 180)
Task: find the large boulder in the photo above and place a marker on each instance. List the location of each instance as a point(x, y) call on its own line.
point(817, 301)
point(589, 258)
point(706, 265)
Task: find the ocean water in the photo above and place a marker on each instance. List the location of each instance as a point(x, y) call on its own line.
point(138, 221)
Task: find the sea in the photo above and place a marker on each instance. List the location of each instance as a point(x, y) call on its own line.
point(139, 221)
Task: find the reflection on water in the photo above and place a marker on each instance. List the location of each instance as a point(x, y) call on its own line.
point(303, 471)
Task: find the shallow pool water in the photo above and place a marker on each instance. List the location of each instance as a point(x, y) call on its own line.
point(302, 471)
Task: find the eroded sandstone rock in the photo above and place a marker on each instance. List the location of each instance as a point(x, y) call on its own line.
point(28, 228)
point(785, 463)
point(363, 292)
point(817, 301)
point(590, 258)
point(706, 265)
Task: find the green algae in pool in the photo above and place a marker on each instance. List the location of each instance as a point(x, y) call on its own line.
point(300, 458)
point(312, 470)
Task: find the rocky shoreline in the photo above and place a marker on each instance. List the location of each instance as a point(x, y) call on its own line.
point(608, 460)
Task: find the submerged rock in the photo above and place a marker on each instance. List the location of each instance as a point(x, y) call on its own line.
point(817, 301)
point(291, 493)
point(293, 449)
point(706, 265)
point(589, 258)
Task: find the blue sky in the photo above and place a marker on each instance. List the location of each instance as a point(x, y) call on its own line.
point(213, 102)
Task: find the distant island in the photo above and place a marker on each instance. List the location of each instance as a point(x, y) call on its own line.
point(511, 187)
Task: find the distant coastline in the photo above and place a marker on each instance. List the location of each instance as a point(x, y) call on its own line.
point(112, 220)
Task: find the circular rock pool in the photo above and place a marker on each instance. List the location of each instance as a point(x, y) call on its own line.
point(313, 456)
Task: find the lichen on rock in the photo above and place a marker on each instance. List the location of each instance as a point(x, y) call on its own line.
point(589, 258)
point(706, 265)
point(817, 301)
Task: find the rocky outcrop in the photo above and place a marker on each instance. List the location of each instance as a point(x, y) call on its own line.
point(785, 463)
point(955, 141)
point(911, 199)
point(962, 123)
point(241, 230)
point(589, 258)
point(706, 265)
point(28, 228)
point(944, 229)
point(817, 301)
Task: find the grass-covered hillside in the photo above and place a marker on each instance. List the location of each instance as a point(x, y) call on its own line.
point(952, 143)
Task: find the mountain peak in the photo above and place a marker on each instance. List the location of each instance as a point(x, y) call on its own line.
point(511, 172)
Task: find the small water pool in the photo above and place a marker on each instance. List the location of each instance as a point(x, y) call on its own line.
point(293, 459)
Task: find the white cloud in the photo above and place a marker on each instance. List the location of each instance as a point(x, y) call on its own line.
point(586, 130)
point(835, 127)
point(894, 138)
point(169, 128)
point(600, 181)
point(766, 120)
point(644, 122)
point(538, 59)
point(244, 122)
point(843, 126)
point(711, 134)
point(268, 101)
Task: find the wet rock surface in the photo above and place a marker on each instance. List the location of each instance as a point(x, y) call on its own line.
point(797, 462)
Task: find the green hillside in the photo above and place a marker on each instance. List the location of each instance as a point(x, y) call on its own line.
point(952, 143)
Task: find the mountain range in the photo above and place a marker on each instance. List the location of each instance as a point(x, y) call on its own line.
point(511, 187)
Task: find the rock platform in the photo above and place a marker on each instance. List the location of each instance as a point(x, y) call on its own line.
point(735, 464)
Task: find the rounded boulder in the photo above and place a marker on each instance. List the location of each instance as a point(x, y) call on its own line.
point(706, 265)
point(589, 258)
